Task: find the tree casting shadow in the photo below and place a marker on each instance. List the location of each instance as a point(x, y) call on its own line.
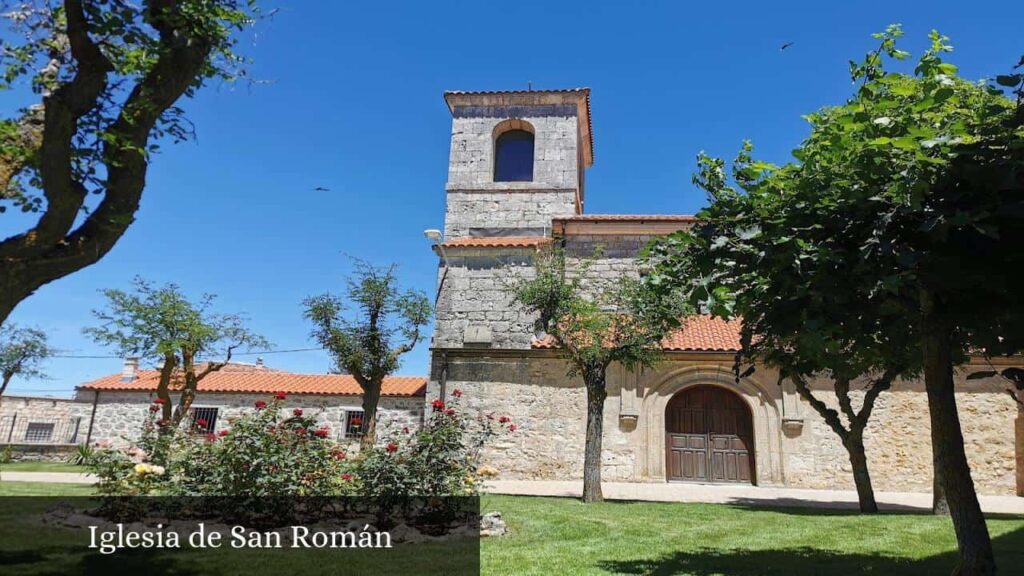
point(1009, 549)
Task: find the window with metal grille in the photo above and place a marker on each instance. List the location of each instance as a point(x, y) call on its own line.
point(204, 419)
point(353, 423)
point(39, 432)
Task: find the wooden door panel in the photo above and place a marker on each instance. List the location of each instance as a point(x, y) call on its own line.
point(709, 436)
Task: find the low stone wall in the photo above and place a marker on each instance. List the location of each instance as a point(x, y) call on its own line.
point(120, 415)
point(38, 452)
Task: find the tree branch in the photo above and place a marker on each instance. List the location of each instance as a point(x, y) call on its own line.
point(830, 416)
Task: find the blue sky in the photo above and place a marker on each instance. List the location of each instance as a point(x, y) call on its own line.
point(350, 99)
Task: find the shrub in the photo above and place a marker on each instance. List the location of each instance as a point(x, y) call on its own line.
point(441, 459)
point(262, 454)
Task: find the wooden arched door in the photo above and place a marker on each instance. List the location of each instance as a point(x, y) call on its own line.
point(709, 437)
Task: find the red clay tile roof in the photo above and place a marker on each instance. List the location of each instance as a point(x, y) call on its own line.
point(697, 334)
point(260, 381)
point(497, 242)
point(628, 218)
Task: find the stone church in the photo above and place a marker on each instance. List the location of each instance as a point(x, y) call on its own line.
point(516, 184)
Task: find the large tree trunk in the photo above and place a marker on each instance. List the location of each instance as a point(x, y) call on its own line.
point(951, 465)
point(861, 477)
point(371, 397)
point(594, 379)
point(940, 507)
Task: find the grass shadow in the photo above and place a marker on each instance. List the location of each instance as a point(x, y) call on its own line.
point(1009, 551)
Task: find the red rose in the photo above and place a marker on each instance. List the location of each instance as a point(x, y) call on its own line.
point(281, 395)
point(211, 437)
point(457, 393)
point(260, 404)
point(438, 405)
point(339, 454)
point(300, 431)
point(222, 433)
point(503, 419)
point(322, 432)
point(392, 447)
point(297, 412)
point(201, 423)
point(405, 430)
point(154, 408)
point(158, 401)
point(450, 412)
point(511, 427)
point(346, 476)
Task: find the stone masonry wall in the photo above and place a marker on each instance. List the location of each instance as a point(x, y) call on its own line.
point(70, 418)
point(120, 415)
point(520, 212)
point(549, 409)
point(898, 441)
point(555, 152)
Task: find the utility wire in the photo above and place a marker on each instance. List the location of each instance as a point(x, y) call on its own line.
point(256, 353)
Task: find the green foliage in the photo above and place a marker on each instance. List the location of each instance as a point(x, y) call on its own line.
point(22, 352)
point(362, 330)
point(440, 459)
point(594, 324)
point(265, 452)
point(912, 187)
point(152, 322)
point(82, 455)
point(42, 52)
point(368, 331)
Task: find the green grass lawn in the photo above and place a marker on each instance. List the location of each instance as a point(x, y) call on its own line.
point(43, 489)
point(41, 467)
point(563, 536)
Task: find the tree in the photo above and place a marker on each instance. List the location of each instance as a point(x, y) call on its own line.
point(744, 260)
point(22, 351)
point(593, 325)
point(108, 76)
point(160, 324)
point(914, 191)
point(368, 331)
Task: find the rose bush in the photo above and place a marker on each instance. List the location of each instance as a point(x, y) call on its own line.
point(270, 451)
point(440, 459)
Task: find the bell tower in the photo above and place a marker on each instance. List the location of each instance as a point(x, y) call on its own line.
point(517, 161)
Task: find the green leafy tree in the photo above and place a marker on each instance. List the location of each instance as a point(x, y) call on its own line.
point(593, 325)
point(368, 331)
point(161, 325)
point(905, 209)
point(22, 352)
point(107, 76)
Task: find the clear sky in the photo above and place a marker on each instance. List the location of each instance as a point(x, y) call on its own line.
point(351, 101)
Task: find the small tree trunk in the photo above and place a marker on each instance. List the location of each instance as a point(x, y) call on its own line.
point(594, 379)
point(861, 477)
point(371, 397)
point(951, 464)
point(163, 388)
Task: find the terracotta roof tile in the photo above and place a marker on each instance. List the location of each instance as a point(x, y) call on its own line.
point(698, 334)
point(497, 242)
point(266, 381)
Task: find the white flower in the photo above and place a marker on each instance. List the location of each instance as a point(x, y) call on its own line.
point(883, 121)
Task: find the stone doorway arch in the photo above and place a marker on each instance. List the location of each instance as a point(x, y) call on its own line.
point(709, 437)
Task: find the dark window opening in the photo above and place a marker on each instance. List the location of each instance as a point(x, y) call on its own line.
point(39, 432)
point(354, 424)
point(513, 157)
point(204, 419)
